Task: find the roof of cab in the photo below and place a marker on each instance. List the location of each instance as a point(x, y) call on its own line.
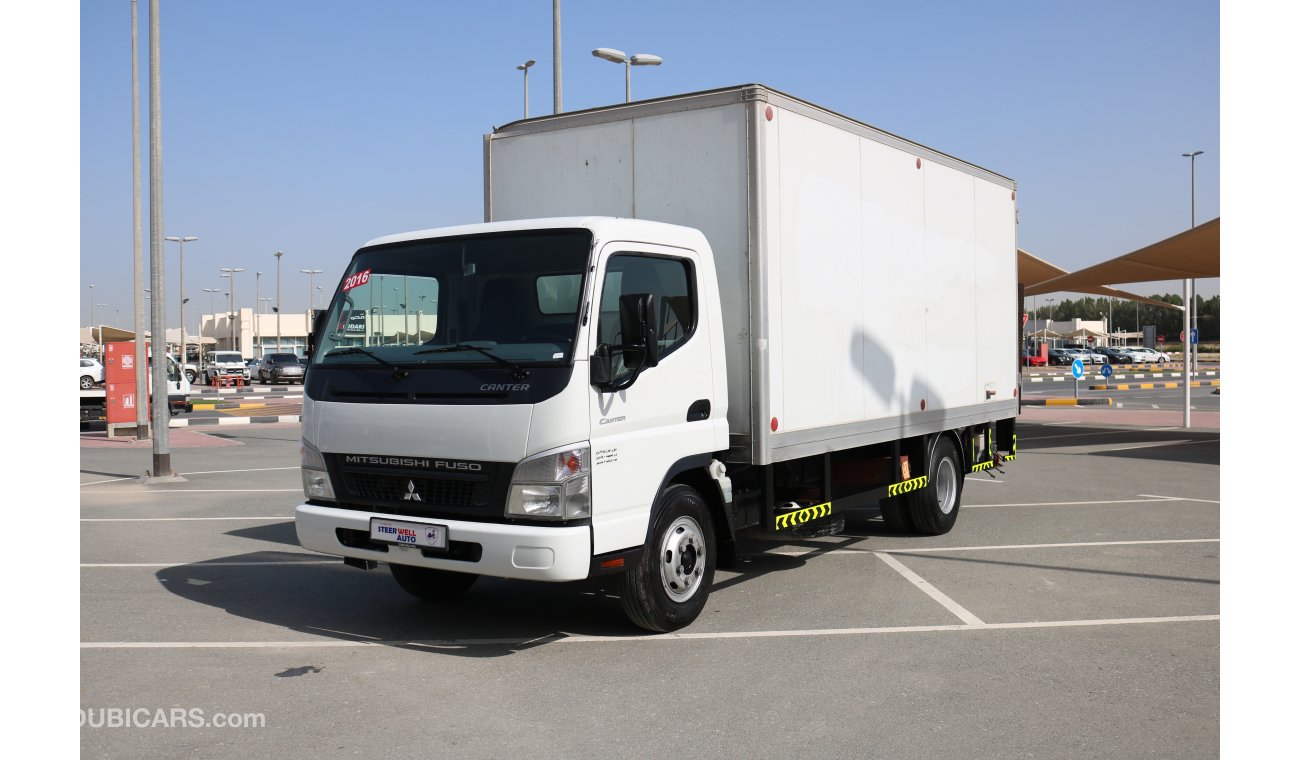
point(602, 227)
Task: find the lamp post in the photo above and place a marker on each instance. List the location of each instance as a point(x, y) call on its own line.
point(1189, 315)
point(90, 318)
point(212, 307)
point(257, 317)
point(1049, 316)
point(618, 56)
point(555, 54)
point(524, 67)
point(182, 241)
point(101, 333)
point(230, 272)
point(311, 284)
point(278, 254)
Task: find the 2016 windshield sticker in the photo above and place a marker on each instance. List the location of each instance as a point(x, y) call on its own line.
point(360, 278)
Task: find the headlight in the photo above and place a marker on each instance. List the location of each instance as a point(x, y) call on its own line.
point(315, 477)
point(553, 485)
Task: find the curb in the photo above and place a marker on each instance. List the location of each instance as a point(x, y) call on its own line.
point(208, 406)
point(1067, 402)
point(1151, 386)
point(211, 421)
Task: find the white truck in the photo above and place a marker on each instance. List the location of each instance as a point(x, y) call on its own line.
point(684, 320)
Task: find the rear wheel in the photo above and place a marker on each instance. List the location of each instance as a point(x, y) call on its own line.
point(897, 514)
point(431, 585)
point(668, 588)
point(87, 382)
point(934, 508)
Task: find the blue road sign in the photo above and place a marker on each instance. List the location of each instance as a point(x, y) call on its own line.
point(1195, 330)
point(1106, 371)
point(1077, 368)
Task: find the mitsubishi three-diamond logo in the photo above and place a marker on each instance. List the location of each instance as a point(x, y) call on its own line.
point(410, 494)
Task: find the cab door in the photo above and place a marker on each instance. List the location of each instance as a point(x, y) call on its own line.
point(639, 433)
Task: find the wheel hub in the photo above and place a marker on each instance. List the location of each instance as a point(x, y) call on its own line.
point(682, 559)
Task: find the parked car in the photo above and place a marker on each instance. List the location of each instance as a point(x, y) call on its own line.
point(277, 368)
point(92, 373)
point(1110, 352)
point(253, 365)
point(224, 363)
point(1147, 355)
point(1060, 356)
point(1031, 360)
point(1097, 356)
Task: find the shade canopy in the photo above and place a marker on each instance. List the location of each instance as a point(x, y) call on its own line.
point(1189, 255)
point(1034, 271)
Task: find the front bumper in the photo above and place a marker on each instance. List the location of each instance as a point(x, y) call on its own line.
point(526, 552)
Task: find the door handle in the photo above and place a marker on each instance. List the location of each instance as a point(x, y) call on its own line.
point(700, 410)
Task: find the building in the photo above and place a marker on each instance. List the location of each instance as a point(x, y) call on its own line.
point(255, 335)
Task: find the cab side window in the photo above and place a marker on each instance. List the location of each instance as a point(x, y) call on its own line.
point(670, 281)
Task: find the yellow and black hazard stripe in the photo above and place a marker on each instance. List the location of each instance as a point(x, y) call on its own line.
point(801, 516)
point(907, 486)
point(982, 466)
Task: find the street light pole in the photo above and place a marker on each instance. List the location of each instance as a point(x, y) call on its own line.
point(257, 318)
point(618, 56)
point(1189, 311)
point(524, 67)
point(278, 254)
point(162, 457)
point(137, 235)
point(555, 54)
point(234, 304)
point(311, 283)
point(182, 241)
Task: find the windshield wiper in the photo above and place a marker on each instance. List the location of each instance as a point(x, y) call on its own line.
point(516, 372)
point(398, 372)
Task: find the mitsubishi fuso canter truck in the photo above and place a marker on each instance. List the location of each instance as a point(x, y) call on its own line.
point(683, 321)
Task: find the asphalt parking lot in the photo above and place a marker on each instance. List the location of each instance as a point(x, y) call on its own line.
point(1072, 612)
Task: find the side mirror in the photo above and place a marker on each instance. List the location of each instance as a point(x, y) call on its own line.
point(638, 319)
point(640, 349)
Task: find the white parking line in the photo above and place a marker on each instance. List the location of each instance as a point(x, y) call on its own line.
point(961, 612)
point(1179, 498)
point(1158, 445)
point(99, 482)
point(702, 636)
point(171, 491)
point(179, 519)
point(205, 472)
point(1075, 503)
point(200, 563)
point(1003, 547)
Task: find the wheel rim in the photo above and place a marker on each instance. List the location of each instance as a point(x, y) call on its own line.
point(682, 556)
point(86, 383)
point(945, 484)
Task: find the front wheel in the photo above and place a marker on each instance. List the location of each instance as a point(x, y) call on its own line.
point(934, 508)
point(431, 585)
point(87, 382)
point(668, 588)
point(189, 376)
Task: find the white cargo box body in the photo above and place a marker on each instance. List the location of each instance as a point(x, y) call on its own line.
point(868, 284)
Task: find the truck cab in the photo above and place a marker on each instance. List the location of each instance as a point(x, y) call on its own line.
point(511, 399)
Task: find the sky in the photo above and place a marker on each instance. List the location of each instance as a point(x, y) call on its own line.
point(313, 127)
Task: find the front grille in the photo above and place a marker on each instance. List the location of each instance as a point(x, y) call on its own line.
point(416, 491)
point(476, 491)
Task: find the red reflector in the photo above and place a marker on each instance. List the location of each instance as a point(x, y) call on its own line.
point(923, 405)
point(612, 563)
point(768, 113)
point(1015, 392)
point(773, 424)
point(918, 163)
point(573, 464)
point(1013, 195)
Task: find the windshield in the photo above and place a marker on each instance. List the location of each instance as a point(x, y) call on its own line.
point(511, 298)
point(222, 357)
point(290, 358)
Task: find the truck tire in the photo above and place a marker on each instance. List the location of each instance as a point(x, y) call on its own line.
point(189, 376)
point(668, 588)
point(934, 508)
point(87, 382)
point(896, 513)
point(431, 585)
